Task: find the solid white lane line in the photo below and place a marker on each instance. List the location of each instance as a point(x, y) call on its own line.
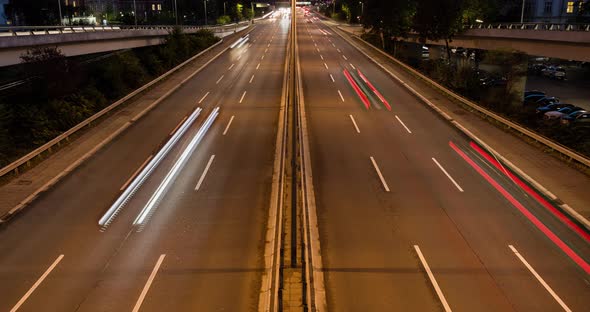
point(135, 173)
point(344, 57)
point(380, 175)
point(332, 77)
point(232, 66)
point(540, 279)
point(352, 66)
point(321, 57)
point(447, 174)
point(251, 78)
point(37, 283)
point(326, 65)
point(442, 298)
point(148, 284)
point(204, 173)
point(258, 66)
point(403, 124)
point(203, 98)
point(355, 125)
point(218, 80)
point(341, 97)
point(243, 95)
point(228, 124)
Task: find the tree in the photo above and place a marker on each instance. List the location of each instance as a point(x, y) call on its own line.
point(442, 19)
point(390, 19)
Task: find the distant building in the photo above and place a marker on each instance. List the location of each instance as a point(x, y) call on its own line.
point(143, 7)
point(553, 11)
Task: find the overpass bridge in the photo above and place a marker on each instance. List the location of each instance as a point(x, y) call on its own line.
point(564, 41)
point(79, 40)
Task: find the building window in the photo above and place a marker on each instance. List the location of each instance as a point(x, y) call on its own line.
point(548, 7)
point(570, 7)
point(153, 7)
point(159, 7)
point(74, 3)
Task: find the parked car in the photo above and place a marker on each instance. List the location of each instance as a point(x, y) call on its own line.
point(537, 69)
point(533, 98)
point(533, 92)
point(561, 112)
point(555, 72)
point(552, 107)
point(581, 114)
point(558, 73)
point(544, 101)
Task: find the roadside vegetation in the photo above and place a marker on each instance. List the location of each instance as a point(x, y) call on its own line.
point(65, 91)
point(387, 22)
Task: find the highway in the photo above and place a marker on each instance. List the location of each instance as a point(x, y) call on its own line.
point(412, 217)
point(201, 247)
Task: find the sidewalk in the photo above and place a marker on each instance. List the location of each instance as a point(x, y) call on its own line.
point(21, 189)
point(570, 185)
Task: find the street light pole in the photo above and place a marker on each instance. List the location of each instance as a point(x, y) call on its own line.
point(333, 7)
point(61, 19)
point(522, 13)
point(205, 3)
point(176, 12)
point(135, 12)
point(362, 10)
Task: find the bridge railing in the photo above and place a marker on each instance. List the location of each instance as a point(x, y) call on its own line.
point(12, 31)
point(533, 26)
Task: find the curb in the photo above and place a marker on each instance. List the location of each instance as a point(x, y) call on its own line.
point(574, 215)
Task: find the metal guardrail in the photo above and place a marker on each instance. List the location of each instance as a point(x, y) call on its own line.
point(14, 166)
point(532, 26)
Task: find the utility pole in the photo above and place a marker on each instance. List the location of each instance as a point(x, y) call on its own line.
point(176, 12)
point(61, 19)
point(205, 3)
point(522, 13)
point(135, 12)
point(333, 8)
point(362, 10)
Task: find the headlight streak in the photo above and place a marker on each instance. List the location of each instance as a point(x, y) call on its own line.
point(240, 41)
point(149, 208)
point(112, 212)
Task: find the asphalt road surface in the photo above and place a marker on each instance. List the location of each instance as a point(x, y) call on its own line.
point(407, 222)
point(201, 249)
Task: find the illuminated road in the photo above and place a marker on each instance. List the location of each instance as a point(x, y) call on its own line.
point(202, 247)
point(396, 201)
